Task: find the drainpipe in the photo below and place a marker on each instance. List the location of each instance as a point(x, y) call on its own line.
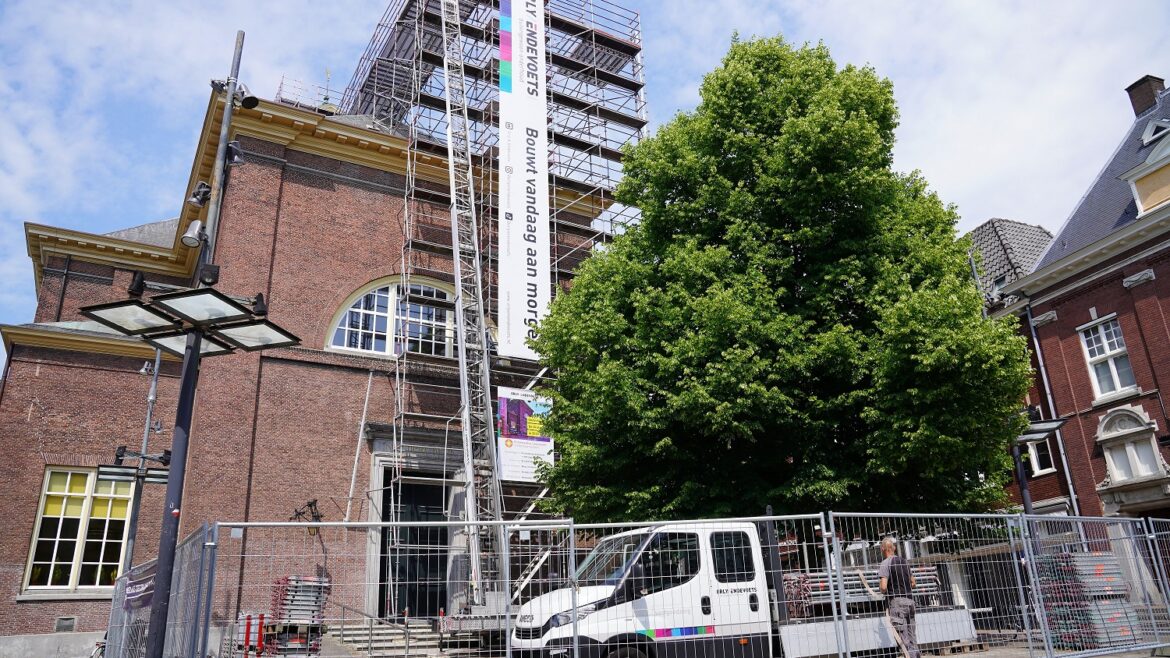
point(1072, 487)
point(975, 278)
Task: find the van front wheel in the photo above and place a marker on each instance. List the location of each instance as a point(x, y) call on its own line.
point(626, 652)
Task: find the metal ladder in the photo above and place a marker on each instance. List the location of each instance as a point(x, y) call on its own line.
point(482, 490)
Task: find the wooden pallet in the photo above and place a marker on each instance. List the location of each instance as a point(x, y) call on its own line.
point(957, 648)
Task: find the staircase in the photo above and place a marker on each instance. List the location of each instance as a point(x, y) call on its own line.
point(388, 640)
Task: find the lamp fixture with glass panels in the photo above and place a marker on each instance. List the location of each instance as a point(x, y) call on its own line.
point(165, 320)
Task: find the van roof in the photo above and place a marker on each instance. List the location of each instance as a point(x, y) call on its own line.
point(690, 526)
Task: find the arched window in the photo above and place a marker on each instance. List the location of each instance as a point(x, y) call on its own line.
point(1128, 439)
point(381, 320)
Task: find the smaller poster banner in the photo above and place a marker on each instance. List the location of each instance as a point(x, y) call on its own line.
point(140, 589)
point(522, 442)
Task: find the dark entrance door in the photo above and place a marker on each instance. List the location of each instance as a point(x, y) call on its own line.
point(414, 559)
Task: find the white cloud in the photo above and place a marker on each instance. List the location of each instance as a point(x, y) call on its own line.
point(105, 101)
point(1009, 108)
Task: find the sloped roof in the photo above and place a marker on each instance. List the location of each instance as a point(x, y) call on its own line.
point(158, 234)
point(1008, 249)
point(1109, 204)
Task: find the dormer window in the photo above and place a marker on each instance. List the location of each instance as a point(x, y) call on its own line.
point(1155, 130)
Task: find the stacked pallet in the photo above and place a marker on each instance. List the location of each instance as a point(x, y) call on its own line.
point(860, 585)
point(1085, 601)
point(298, 614)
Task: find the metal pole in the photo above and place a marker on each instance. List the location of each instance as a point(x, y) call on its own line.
point(212, 547)
point(217, 177)
point(170, 521)
point(1072, 489)
point(574, 585)
point(833, 566)
point(1031, 553)
point(1025, 614)
point(1022, 478)
point(140, 475)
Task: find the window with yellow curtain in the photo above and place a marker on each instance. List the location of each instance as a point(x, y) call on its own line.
point(81, 531)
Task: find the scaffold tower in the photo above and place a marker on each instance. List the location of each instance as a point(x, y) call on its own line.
point(430, 75)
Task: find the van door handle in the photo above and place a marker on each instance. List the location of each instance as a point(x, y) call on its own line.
point(754, 602)
point(705, 602)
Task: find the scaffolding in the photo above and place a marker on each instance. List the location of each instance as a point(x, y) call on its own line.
point(430, 75)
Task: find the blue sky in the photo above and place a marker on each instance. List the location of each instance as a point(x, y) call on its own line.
point(1009, 108)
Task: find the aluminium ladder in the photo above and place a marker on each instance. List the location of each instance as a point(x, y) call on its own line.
point(481, 488)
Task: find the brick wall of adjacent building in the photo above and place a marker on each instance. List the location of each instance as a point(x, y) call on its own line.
point(67, 409)
point(271, 432)
point(1141, 312)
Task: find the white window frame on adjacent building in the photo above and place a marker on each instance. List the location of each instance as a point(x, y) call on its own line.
point(1036, 451)
point(1107, 357)
point(1128, 440)
point(64, 559)
point(378, 320)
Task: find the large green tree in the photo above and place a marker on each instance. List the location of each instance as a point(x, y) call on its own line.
point(791, 323)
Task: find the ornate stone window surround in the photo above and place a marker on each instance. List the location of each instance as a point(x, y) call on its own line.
point(1127, 436)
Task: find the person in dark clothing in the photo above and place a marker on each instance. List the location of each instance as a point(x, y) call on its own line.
point(897, 584)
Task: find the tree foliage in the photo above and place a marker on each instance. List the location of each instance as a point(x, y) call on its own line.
point(791, 323)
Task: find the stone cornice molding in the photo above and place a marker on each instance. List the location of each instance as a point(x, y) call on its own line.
point(75, 341)
point(1044, 318)
point(1144, 276)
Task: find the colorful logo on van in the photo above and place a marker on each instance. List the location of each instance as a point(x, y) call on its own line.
point(686, 631)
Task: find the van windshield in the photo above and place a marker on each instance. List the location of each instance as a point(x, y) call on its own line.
point(608, 561)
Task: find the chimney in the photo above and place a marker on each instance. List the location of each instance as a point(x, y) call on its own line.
point(1143, 94)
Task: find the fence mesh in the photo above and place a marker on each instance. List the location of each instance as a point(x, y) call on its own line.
point(1095, 584)
point(794, 586)
point(134, 598)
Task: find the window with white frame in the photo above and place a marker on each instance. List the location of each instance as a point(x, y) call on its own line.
point(1107, 357)
point(1127, 437)
point(1040, 457)
point(80, 531)
point(383, 321)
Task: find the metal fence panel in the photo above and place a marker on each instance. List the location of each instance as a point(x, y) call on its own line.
point(1159, 546)
point(132, 602)
point(791, 586)
point(685, 588)
point(967, 593)
point(1095, 584)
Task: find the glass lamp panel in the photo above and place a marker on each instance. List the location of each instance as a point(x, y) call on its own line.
point(259, 335)
point(203, 307)
point(131, 318)
point(177, 345)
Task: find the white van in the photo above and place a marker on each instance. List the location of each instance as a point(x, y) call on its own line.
point(674, 590)
point(703, 590)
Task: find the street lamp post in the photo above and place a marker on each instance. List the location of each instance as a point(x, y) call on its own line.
point(192, 323)
point(136, 502)
point(1037, 430)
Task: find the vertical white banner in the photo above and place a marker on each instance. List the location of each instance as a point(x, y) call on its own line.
point(524, 271)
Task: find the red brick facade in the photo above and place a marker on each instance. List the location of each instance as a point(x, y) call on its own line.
point(1141, 311)
point(270, 432)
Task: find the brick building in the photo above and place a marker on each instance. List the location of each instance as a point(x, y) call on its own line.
point(1094, 307)
point(342, 219)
